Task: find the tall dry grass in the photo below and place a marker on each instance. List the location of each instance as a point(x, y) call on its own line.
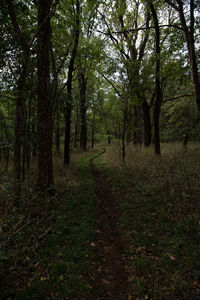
point(174, 174)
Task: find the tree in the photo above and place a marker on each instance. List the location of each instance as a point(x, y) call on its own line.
point(45, 164)
point(25, 46)
point(158, 94)
point(69, 85)
point(189, 32)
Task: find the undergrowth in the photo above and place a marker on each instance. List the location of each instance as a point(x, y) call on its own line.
point(159, 201)
point(46, 244)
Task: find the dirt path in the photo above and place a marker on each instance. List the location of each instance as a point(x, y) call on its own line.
point(107, 272)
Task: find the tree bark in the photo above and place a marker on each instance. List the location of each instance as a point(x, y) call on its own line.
point(67, 133)
point(25, 48)
point(189, 36)
point(83, 109)
point(45, 164)
point(18, 136)
point(109, 138)
point(69, 88)
point(158, 93)
point(137, 134)
point(123, 138)
point(57, 133)
point(93, 130)
point(76, 127)
point(146, 123)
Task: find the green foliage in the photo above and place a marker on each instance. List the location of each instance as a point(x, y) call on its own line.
point(179, 121)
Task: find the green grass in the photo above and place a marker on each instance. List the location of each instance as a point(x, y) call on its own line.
point(53, 267)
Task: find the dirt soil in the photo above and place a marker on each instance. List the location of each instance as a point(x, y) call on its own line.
point(107, 271)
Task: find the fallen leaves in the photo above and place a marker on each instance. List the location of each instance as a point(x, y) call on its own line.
point(105, 281)
point(171, 257)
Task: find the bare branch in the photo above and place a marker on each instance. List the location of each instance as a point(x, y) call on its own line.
point(172, 4)
point(111, 83)
point(9, 97)
point(141, 28)
point(176, 98)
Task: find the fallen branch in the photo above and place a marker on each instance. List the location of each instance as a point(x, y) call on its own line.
point(41, 236)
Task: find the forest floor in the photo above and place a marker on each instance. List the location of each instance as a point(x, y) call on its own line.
point(107, 271)
point(111, 230)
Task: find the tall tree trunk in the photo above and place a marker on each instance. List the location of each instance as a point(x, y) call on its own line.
point(83, 137)
point(45, 164)
point(17, 143)
point(69, 88)
point(129, 124)
point(124, 131)
point(34, 140)
point(137, 134)
point(67, 133)
point(19, 129)
point(24, 148)
point(25, 47)
point(189, 36)
point(158, 93)
point(76, 128)
point(146, 123)
point(28, 134)
point(57, 133)
point(123, 139)
point(109, 138)
point(93, 130)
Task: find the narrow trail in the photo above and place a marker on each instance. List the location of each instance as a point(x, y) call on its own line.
point(107, 271)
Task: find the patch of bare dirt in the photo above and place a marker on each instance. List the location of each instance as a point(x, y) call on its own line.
point(107, 271)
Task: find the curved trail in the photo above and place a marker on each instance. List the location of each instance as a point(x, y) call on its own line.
point(107, 271)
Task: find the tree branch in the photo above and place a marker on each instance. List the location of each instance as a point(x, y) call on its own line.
point(172, 4)
point(141, 28)
point(176, 98)
point(19, 36)
point(111, 83)
point(49, 16)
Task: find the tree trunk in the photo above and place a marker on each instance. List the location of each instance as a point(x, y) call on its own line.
point(67, 134)
point(34, 140)
point(146, 123)
point(189, 36)
point(123, 139)
point(158, 93)
point(129, 124)
point(17, 148)
point(93, 131)
point(109, 138)
point(69, 88)
point(57, 133)
point(83, 137)
point(45, 164)
point(76, 128)
point(137, 134)
point(28, 136)
point(124, 132)
point(19, 124)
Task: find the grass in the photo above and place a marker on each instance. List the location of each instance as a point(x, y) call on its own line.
point(159, 200)
point(48, 242)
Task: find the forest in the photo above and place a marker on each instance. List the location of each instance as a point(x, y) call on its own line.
point(99, 149)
